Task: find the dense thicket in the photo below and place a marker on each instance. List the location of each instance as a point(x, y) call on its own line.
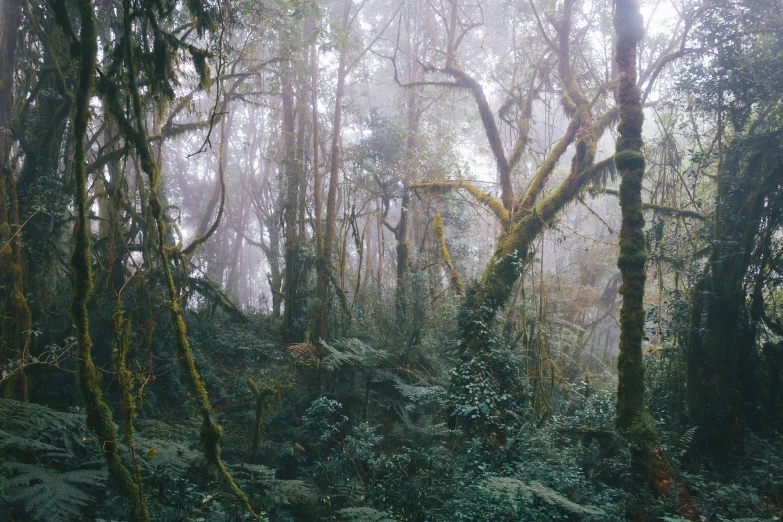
point(292, 260)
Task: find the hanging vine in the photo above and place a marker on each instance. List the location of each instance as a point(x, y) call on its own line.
point(99, 417)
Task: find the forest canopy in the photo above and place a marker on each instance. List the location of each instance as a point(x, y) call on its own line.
point(418, 260)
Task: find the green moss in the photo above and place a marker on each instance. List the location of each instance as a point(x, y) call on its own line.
point(437, 229)
point(5, 232)
point(628, 159)
point(122, 334)
point(444, 187)
point(263, 397)
point(633, 418)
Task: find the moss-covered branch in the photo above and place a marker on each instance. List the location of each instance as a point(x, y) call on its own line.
point(548, 166)
point(676, 212)
point(490, 129)
point(512, 252)
point(221, 175)
point(444, 187)
point(263, 397)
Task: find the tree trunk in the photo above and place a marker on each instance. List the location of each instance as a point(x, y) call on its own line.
point(324, 264)
point(633, 418)
point(292, 313)
point(719, 345)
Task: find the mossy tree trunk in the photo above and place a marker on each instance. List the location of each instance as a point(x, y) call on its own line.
point(263, 397)
point(633, 418)
point(324, 263)
point(43, 123)
point(292, 312)
point(318, 232)
point(632, 260)
point(722, 337)
point(522, 220)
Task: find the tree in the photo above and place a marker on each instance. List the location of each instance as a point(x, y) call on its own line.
point(632, 415)
point(522, 218)
point(728, 312)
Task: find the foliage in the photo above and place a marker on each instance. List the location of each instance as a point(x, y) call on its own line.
point(468, 140)
point(49, 495)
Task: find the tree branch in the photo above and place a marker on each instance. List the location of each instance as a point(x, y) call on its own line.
point(441, 187)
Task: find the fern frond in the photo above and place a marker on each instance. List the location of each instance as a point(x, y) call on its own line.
point(252, 471)
point(364, 514)
point(10, 442)
point(65, 431)
point(47, 495)
point(165, 456)
point(353, 352)
point(550, 496)
point(515, 491)
point(302, 351)
point(687, 438)
point(290, 491)
point(336, 358)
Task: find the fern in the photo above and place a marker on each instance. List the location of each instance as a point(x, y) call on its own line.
point(14, 444)
point(519, 493)
point(353, 352)
point(67, 431)
point(687, 438)
point(277, 491)
point(290, 491)
point(336, 358)
point(364, 514)
point(253, 471)
point(48, 495)
point(165, 457)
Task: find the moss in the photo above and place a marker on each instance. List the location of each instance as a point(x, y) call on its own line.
point(263, 397)
point(122, 335)
point(205, 19)
point(437, 228)
point(202, 68)
point(633, 418)
point(444, 187)
point(547, 167)
point(627, 159)
point(5, 232)
point(15, 317)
